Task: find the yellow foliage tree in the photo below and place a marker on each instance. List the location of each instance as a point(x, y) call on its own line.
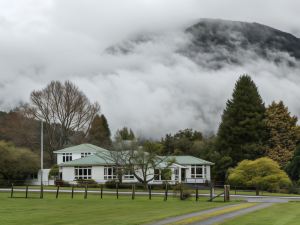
point(263, 174)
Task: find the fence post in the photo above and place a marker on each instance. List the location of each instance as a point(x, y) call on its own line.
point(228, 193)
point(57, 190)
point(12, 190)
point(149, 189)
point(166, 192)
point(101, 191)
point(26, 191)
point(211, 191)
point(133, 192)
point(117, 190)
point(72, 191)
point(42, 191)
point(85, 192)
point(197, 196)
point(181, 192)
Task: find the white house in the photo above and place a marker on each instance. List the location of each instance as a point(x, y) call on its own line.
point(87, 161)
point(35, 179)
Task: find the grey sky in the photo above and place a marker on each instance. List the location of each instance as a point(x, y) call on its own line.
point(155, 90)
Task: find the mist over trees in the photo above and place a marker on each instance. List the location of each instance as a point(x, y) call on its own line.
point(124, 134)
point(248, 130)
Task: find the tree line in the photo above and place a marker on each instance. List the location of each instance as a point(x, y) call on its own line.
point(248, 130)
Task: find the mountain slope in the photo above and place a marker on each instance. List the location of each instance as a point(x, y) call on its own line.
point(215, 43)
point(228, 40)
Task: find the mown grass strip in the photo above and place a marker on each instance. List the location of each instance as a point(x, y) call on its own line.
point(212, 214)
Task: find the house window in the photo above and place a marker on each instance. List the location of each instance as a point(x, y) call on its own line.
point(83, 173)
point(176, 173)
point(157, 174)
point(85, 154)
point(196, 171)
point(67, 157)
point(128, 175)
point(109, 173)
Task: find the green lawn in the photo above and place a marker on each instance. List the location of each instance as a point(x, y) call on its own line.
point(93, 210)
point(279, 214)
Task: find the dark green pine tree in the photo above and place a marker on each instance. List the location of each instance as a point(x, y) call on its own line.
point(242, 132)
point(99, 133)
point(293, 167)
point(124, 134)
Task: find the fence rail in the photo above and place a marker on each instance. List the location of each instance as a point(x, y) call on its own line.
point(182, 191)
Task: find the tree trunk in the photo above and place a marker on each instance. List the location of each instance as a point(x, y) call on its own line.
point(257, 191)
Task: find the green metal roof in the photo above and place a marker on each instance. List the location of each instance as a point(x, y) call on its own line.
point(188, 160)
point(81, 148)
point(103, 157)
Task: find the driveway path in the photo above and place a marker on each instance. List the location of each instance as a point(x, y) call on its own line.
point(214, 219)
point(186, 216)
point(223, 217)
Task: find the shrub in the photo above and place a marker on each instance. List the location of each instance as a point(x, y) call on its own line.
point(294, 188)
point(88, 182)
point(110, 184)
point(62, 183)
point(182, 191)
point(54, 171)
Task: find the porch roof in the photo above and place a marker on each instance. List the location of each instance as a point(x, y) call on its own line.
point(190, 160)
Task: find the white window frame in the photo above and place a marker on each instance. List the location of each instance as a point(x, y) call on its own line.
point(66, 157)
point(85, 154)
point(195, 171)
point(128, 175)
point(110, 173)
point(83, 172)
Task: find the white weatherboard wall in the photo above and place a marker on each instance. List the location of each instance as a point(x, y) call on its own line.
point(208, 173)
point(46, 180)
point(68, 173)
point(98, 174)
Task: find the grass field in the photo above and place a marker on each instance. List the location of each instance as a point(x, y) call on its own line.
point(279, 214)
point(93, 210)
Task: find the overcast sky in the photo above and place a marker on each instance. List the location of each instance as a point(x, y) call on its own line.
point(153, 91)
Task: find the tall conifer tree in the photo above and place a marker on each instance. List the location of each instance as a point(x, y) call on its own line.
point(99, 133)
point(283, 133)
point(242, 132)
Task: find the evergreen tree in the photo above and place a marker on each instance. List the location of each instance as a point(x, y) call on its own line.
point(293, 167)
point(182, 143)
point(124, 134)
point(99, 133)
point(283, 133)
point(242, 132)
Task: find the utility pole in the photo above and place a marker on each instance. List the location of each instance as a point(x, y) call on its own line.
point(42, 159)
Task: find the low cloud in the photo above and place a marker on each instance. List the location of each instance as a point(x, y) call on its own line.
point(152, 87)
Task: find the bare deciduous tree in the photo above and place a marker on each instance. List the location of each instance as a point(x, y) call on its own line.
point(141, 161)
point(65, 110)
